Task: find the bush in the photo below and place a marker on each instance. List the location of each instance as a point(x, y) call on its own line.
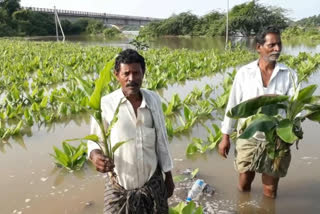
point(94, 27)
point(111, 32)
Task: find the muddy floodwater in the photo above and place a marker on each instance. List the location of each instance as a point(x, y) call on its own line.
point(30, 183)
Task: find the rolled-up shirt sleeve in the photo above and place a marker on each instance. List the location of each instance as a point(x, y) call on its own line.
point(235, 97)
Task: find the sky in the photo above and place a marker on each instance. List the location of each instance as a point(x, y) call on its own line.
point(297, 9)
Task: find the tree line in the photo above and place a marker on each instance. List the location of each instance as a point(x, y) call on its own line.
point(244, 19)
point(15, 21)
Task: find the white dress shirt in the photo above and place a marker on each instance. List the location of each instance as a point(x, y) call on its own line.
point(147, 142)
point(248, 84)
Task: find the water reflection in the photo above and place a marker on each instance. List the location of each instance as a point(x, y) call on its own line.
point(16, 139)
point(195, 43)
point(291, 47)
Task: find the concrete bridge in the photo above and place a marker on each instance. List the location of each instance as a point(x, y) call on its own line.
point(108, 19)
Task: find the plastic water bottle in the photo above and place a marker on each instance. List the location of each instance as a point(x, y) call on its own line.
point(196, 189)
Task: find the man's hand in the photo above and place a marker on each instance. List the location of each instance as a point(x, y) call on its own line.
point(169, 183)
point(100, 161)
point(224, 146)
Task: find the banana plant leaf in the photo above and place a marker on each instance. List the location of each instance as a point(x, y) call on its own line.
point(315, 100)
point(117, 146)
point(303, 97)
point(312, 107)
point(262, 123)
point(305, 94)
point(314, 116)
point(251, 107)
point(285, 131)
point(100, 84)
point(272, 109)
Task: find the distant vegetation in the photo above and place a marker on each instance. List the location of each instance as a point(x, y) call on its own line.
point(298, 32)
point(313, 21)
point(15, 21)
point(245, 19)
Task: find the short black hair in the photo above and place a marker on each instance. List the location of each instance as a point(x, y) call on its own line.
point(129, 56)
point(261, 35)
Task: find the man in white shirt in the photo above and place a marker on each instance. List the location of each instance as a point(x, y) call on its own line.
point(140, 162)
point(264, 76)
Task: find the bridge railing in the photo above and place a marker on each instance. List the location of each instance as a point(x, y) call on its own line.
point(89, 14)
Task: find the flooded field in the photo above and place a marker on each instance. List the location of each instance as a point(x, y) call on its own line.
point(30, 182)
point(291, 47)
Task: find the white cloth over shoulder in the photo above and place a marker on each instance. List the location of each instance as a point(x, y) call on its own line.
point(248, 84)
point(146, 136)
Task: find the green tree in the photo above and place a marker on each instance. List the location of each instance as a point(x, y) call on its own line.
point(10, 6)
point(94, 26)
point(208, 23)
point(32, 23)
point(182, 24)
point(79, 26)
point(313, 21)
point(7, 25)
point(249, 18)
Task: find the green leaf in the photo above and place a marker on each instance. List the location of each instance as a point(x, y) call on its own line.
point(61, 157)
point(179, 178)
point(306, 93)
point(80, 163)
point(251, 107)
point(272, 109)
point(187, 113)
point(177, 209)
point(191, 149)
point(164, 107)
point(195, 146)
point(67, 149)
point(194, 173)
point(312, 107)
point(28, 117)
point(44, 102)
point(314, 116)
point(261, 123)
point(92, 137)
point(15, 92)
point(100, 84)
point(216, 128)
point(17, 128)
point(198, 210)
point(285, 132)
point(189, 208)
point(315, 100)
point(115, 118)
point(117, 145)
point(86, 85)
point(80, 152)
point(35, 107)
point(169, 128)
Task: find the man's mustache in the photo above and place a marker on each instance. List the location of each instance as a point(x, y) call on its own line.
point(132, 84)
point(275, 53)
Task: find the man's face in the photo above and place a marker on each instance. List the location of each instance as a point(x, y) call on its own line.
point(130, 77)
point(271, 49)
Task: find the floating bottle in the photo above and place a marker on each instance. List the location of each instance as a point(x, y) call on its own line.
point(196, 189)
